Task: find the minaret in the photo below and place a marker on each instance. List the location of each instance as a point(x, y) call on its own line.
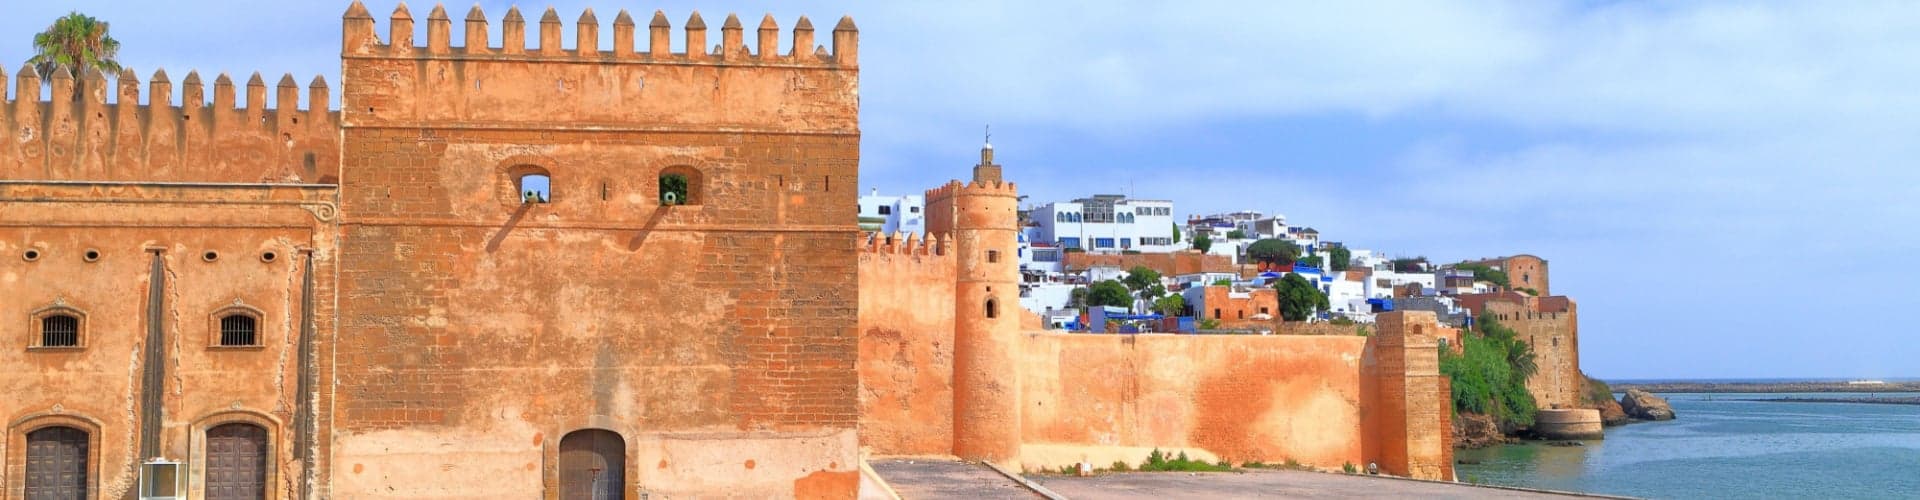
point(986, 378)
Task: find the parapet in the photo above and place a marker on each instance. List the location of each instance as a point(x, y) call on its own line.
point(359, 40)
point(74, 134)
point(907, 244)
point(953, 189)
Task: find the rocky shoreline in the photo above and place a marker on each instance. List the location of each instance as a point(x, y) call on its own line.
point(1771, 387)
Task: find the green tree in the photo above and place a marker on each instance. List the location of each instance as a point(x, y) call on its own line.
point(1236, 235)
point(1171, 305)
point(1176, 231)
point(1140, 278)
point(1410, 264)
point(75, 42)
point(1312, 261)
point(1299, 299)
point(676, 185)
point(1109, 293)
point(1341, 257)
point(1273, 251)
point(1202, 243)
point(1077, 298)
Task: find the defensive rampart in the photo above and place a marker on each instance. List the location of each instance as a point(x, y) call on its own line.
point(76, 134)
point(906, 344)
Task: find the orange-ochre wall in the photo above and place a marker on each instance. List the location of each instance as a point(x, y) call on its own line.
point(906, 350)
point(1101, 398)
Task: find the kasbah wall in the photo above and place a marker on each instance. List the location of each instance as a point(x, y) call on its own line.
point(1551, 325)
point(420, 332)
point(1029, 398)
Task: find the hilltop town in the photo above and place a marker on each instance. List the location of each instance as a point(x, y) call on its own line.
point(501, 269)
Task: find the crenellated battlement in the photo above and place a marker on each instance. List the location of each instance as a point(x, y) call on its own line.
point(359, 39)
point(955, 188)
point(508, 85)
point(73, 133)
point(905, 244)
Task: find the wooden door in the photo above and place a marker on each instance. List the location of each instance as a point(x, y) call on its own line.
point(592, 465)
point(236, 462)
point(57, 464)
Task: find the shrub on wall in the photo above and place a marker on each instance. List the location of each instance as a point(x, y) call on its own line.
point(1490, 374)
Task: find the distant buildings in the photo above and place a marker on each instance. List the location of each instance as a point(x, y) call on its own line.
point(1107, 223)
point(890, 214)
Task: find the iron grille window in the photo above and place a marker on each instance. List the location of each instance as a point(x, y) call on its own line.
point(60, 330)
point(238, 331)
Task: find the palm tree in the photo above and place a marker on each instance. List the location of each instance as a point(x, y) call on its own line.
point(76, 42)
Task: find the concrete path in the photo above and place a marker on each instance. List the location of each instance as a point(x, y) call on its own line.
point(1260, 484)
point(923, 479)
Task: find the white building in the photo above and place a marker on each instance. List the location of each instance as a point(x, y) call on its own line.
point(1039, 257)
point(890, 214)
point(1107, 224)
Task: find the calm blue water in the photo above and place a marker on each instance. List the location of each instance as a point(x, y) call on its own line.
point(1720, 447)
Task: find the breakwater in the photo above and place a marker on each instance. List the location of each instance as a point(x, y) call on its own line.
point(1878, 400)
point(1768, 387)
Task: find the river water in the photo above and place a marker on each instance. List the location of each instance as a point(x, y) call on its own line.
point(1723, 447)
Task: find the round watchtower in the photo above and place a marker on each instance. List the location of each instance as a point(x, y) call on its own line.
point(982, 216)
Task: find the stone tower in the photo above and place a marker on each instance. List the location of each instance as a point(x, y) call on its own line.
point(981, 216)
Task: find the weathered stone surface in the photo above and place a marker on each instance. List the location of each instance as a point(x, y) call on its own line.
point(1644, 405)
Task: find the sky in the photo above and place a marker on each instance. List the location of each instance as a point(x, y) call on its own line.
point(1726, 187)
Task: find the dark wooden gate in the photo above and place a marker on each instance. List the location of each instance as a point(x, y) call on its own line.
point(592, 465)
point(56, 464)
point(236, 462)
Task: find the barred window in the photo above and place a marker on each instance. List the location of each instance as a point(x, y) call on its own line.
point(239, 330)
point(60, 330)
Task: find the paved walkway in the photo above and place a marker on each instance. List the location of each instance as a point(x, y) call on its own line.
point(1259, 484)
point(918, 479)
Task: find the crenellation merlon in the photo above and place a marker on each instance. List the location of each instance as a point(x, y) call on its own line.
point(75, 133)
point(909, 244)
point(358, 39)
point(587, 36)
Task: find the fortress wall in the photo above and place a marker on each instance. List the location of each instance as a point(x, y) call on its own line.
point(1102, 398)
point(906, 329)
point(98, 386)
point(716, 338)
point(74, 134)
point(1554, 335)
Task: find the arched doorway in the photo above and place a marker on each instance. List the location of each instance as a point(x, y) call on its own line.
point(57, 463)
point(236, 462)
point(593, 464)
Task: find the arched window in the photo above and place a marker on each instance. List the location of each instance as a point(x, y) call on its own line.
point(239, 330)
point(58, 326)
point(534, 187)
point(680, 185)
point(993, 309)
point(60, 330)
